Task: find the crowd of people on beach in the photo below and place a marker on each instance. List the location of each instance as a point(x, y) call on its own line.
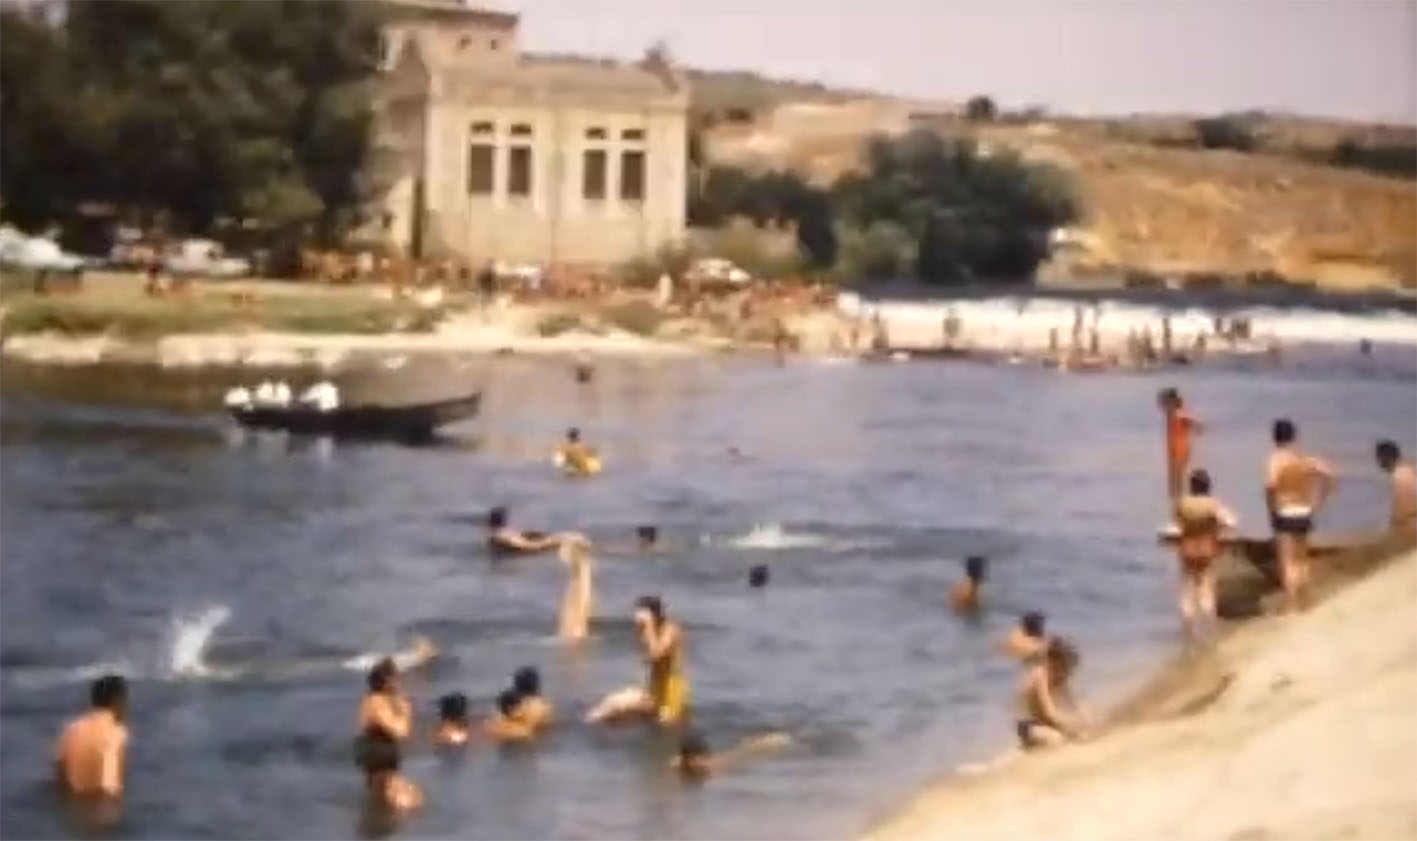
point(91, 749)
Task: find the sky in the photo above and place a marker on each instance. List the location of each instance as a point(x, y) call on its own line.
point(1344, 58)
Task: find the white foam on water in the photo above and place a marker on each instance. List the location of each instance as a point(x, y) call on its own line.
point(774, 536)
point(190, 636)
point(43, 678)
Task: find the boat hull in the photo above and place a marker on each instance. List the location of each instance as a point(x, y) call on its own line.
point(416, 422)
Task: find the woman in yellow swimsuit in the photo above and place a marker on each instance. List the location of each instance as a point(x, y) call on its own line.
point(665, 693)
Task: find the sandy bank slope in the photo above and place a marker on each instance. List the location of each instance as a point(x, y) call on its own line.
point(1315, 736)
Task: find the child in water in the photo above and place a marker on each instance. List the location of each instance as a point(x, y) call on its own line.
point(964, 596)
point(454, 728)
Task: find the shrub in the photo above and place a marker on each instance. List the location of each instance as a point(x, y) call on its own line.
point(981, 109)
point(1224, 133)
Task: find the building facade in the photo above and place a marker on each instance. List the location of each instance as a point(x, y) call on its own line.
point(490, 155)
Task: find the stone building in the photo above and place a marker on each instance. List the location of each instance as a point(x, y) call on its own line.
point(489, 154)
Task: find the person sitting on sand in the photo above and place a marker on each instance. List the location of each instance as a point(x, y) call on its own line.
point(533, 709)
point(695, 761)
point(89, 758)
point(502, 539)
point(1201, 519)
point(1047, 714)
point(454, 729)
point(964, 596)
point(665, 693)
point(1404, 486)
point(504, 726)
point(1028, 637)
point(575, 458)
point(1296, 486)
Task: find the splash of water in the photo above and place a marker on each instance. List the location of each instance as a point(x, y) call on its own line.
point(774, 536)
point(190, 636)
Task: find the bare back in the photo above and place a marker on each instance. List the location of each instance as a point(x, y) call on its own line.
point(1296, 480)
point(90, 754)
point(1404, 497)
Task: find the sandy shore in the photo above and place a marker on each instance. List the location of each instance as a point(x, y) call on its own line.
point(1301, 727)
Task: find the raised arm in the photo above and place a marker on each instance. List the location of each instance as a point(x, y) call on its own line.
point(749, 748)
point(659, 642)
point(392, 715)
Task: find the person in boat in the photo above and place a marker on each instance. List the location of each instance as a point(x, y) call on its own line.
point(1180, 426)
point(578, 599)
point(1048, 715)
point(502, 539)
point(238, 398)
point(695, 761)
point(664, 696)
point(533, 709)
point(964, 596)
point(1403, 517)
point(322, 395)
point(454, 728)
point(89, 757)
point(575, 458)
point(1296, 487)
point(385, 721)
point(1202, 520)
point(504, 726)
point(1029, 637)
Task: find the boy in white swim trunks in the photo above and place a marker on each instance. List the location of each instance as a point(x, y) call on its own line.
point(1296, 486)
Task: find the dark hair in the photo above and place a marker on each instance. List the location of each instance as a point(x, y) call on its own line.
point(1387, 451)
point(1063, 657)
point(497, 517)
point(1033, 623)
point(1284, 431)
point(647, 534)
point(573, 434)
point(975, 567)
point(382, 674)
point(508, 701)
point(527, 681)
point(693, 746)
point(453, 707)
point(758, 576)
point(1200, 482)
point(109, 692)
point(1169, 396)
point(653, 604)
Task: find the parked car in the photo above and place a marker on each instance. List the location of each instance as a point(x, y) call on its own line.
point(204, 258)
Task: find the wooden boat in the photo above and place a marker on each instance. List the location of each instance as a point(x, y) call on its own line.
point(415, 422)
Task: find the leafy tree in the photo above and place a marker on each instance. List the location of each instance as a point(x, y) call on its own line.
point(1224, 133)
point(981, 109)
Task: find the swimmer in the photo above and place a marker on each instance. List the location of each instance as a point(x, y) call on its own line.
point(89, 758)
point(1029, 637)
point(964, 596)
point(1202, 520)
point(1179, 428)
point(647, 538)
point(695, 761)
point(665, 694)
point(1296, 486)
point(1048, 715)
point(578, 599)
point(385, 720)
point(1404, 486)
point(533, 709)
point(504, 726)
point(574, 457)
point(502, 539)
point(758, 576)
point(454, 729)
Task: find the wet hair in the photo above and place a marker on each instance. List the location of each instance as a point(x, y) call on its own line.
point(653, 604)
point(647, 534)
point(1168, 397)
point(758, 576)
point(1062, 657)
point(508, 700)
point(1200, 482)
point(573, 434)
point(693, 746)
point(1285, 431)
point(109, 692)
point(497, 517)
point(1033, 623)
point(527, 681)
point(453, 707)
point(975, 567)
point(382, 675)
point(1387, 452)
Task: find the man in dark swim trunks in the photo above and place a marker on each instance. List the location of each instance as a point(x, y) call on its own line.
point(1296, 486)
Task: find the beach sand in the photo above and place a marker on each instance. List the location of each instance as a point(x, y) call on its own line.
point(1290, 727)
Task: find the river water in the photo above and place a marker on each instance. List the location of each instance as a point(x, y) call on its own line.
point(239, 581)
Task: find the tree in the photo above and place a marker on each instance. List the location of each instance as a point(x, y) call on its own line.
point(1224, 133)
point(980, 109)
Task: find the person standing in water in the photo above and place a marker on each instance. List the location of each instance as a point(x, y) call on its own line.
point(1201, 519)
point(454, 729)
point(1403, 517)
point(1029, 637)
point(665, 694)
point(1296, 486)
point(533, 709)
point(89, 757)
point(575, 458)
point(385, 720)
point(1179, 428)
point(1048, 715)
point(504, 726)
point(578, 599)
point(964, 596)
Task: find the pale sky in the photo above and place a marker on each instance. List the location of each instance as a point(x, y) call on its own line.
point(1347, 58)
